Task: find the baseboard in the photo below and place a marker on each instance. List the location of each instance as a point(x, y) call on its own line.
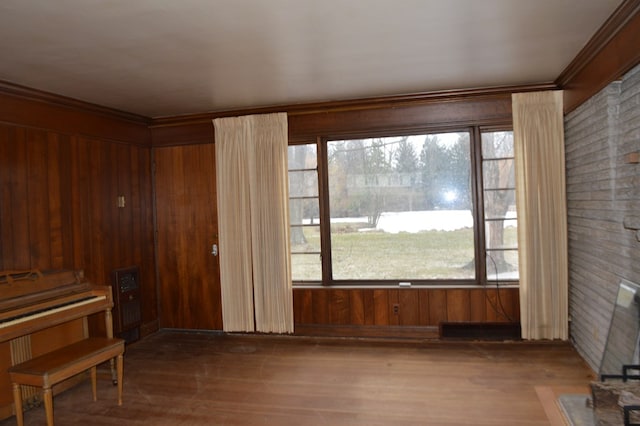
point(149, 328)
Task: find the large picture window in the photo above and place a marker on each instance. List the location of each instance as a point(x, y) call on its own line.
point(425, 208)
point(400, 207)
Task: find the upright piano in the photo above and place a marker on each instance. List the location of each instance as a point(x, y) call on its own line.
point(31, 302)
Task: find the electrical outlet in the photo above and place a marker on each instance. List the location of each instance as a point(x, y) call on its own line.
point(396, 308)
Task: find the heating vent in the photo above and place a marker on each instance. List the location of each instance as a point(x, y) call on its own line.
point(126, 300)
point(480, 331)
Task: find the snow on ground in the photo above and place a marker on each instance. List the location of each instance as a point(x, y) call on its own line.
point(432, 220)
point(416, 221)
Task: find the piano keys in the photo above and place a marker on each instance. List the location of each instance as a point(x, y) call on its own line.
point(40, 301)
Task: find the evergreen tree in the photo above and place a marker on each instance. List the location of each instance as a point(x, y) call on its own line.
point(406, 159)
point(431, 168)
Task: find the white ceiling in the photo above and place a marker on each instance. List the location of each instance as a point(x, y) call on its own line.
point(169, 57)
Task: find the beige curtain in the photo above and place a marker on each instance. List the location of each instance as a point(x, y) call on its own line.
point(253, 223)
point(542, 214)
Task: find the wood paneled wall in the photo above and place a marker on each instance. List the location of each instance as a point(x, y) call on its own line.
point(343, 311)
point(185, 204)
point(440, 110)
point(59, 189)
point(62, 168)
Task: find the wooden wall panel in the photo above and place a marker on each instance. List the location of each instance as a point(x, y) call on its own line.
point(477, 305)
point(369, 306)
point(58, 204)
point(381, 307)
point(115, 237)
point(458, 305)
point(58, 210)
point(330, 309)
point(37, 199)
point(408, 307)
point(189, 280)
point(183, 133)
point(339, 306)
point(423, 306)
point(447, 109)
point(35, 109)
point(54, 179)
point(365, 308)
point(356, 307)
point(454, 112)
point(303, 307)
point(509, 305)
point(437, 307)
point(320, 307)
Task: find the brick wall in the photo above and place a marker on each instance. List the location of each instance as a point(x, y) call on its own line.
point(603, 189)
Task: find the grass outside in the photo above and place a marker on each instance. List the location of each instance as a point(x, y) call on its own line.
point(377, 255)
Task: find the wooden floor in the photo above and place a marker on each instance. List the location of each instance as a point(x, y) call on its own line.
point(190, 379)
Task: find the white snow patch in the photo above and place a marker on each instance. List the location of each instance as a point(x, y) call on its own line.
point(432, 220)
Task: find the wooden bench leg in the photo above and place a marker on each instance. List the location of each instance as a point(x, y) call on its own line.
point(94, 384)
point(48, 405)
point(17, 401)
point(114, 376)
point(119, 368)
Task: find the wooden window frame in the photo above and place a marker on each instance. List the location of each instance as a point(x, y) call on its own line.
point(475, 135)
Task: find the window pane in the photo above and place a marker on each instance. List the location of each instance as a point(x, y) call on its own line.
point(306, 267)
point(501, 223)
point(499, 174)
point(401, 207)
point(303, 183)
point(302, 157)
point(306, 262)
point(502, 265)
point(497, 145)
point(502, 234)
point(305, 239)
point(499, 204)
point(303, 211)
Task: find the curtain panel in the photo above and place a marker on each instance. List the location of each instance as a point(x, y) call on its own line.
point(538, 130)
point(253, 222)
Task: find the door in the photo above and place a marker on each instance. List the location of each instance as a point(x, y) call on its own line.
point(187, 229)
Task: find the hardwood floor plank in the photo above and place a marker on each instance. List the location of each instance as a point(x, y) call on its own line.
point(174, 378)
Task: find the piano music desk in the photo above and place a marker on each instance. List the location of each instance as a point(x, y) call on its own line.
point(53, 367)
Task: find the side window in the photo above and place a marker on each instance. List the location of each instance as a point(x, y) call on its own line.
point(304, 213)
point(500, 219)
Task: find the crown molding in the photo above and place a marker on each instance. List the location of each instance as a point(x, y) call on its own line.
point(608, 32)
point(454, 95)
point(27, 93)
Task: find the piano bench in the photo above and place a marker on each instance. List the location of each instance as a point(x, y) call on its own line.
point(51, 368)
